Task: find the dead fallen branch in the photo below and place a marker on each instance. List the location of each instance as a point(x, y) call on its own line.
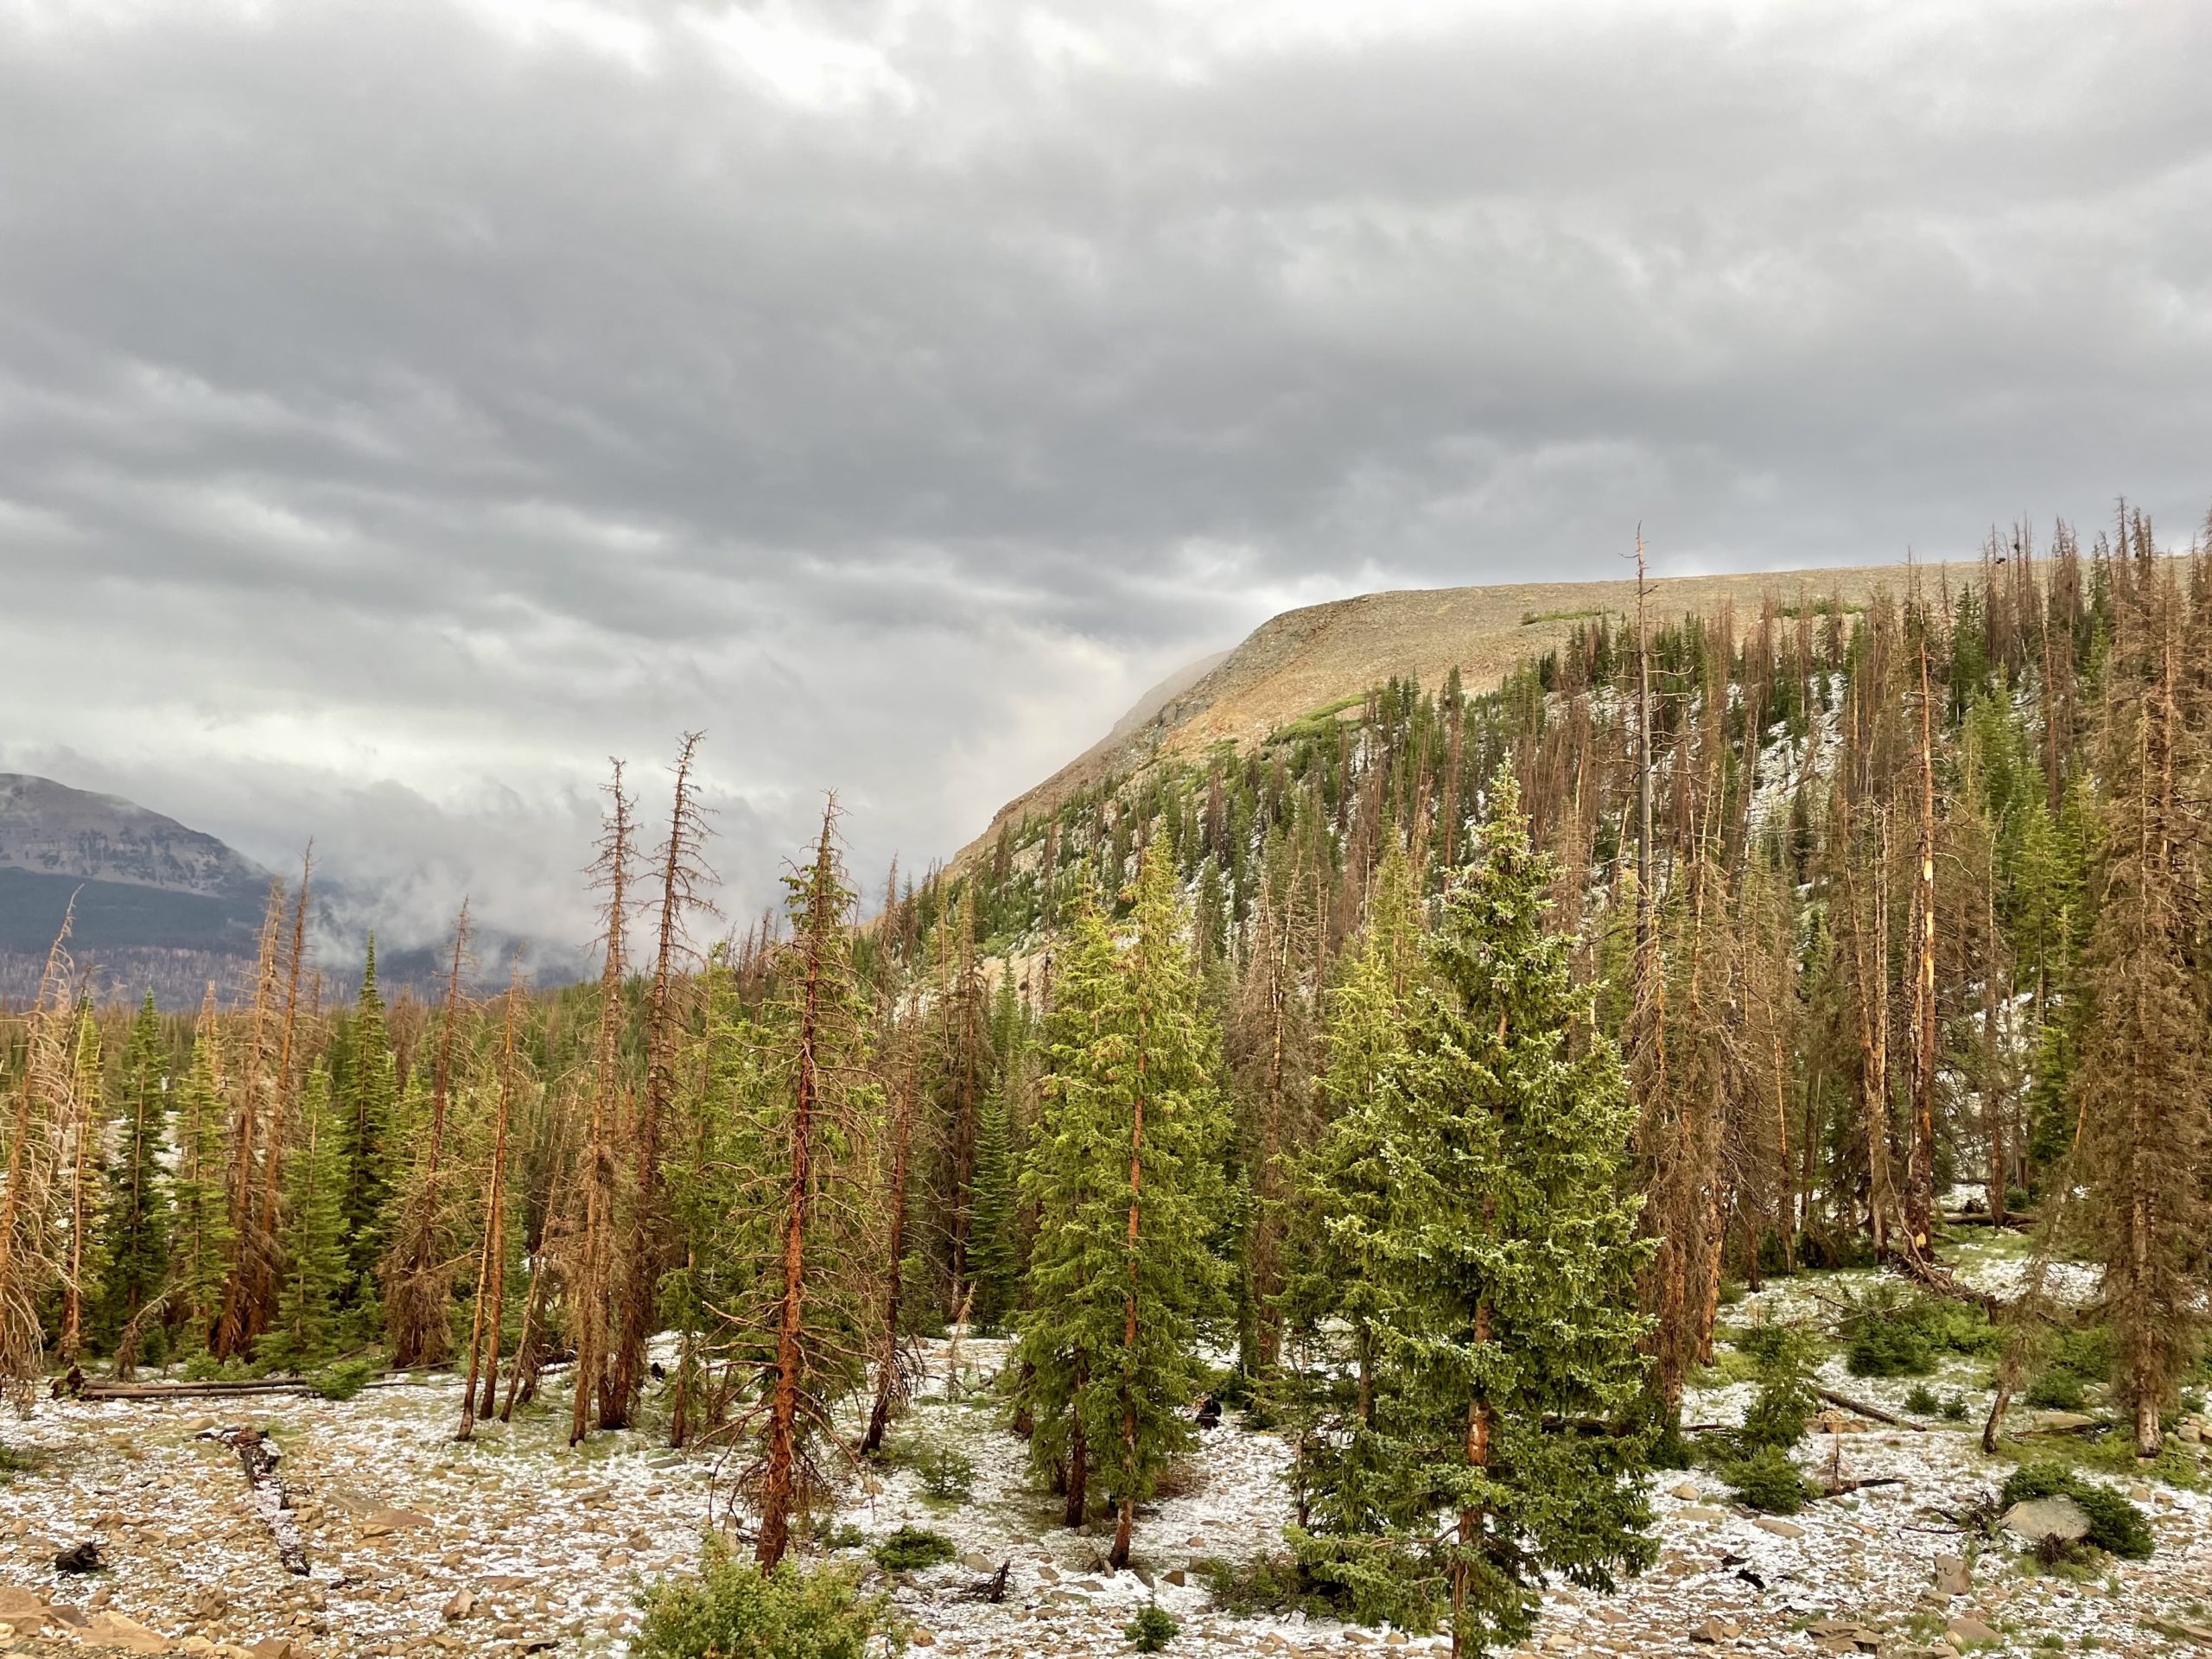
point(1863, 1409)
point(258, 1456)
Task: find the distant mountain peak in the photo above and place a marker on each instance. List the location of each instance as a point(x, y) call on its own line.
point(49, 829)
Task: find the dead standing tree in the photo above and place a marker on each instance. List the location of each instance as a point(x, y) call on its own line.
point(33, 1156)
point(810, 1341)
point(492, 1261)
point(683, 872)
point(418, 1273)
point(590, 1275)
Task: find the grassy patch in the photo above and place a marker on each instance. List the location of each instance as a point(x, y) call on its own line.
point(1529, 619)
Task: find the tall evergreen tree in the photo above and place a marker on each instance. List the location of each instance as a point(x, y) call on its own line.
point(201, 1241)
point(1507, 1260)
point(313, 1232)
point(1126, 1174)
point(137, 1219)
point(364, 1079)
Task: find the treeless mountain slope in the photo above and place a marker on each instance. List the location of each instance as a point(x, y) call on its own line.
point(1308, 658)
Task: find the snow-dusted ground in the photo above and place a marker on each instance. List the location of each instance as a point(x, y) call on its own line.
point(553, 1543)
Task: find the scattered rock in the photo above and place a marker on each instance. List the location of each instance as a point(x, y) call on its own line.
point(17, 1603)
point(114, 1630)
point(1699, 1512)
point(1952, 1578)
point(1685, 1490)
point(79, 1558)
point(918, 1637)
point(1177, 1577)
point(1971, 1632)
point(2048, 1517)
point(461, 1604)
point(1715, 1631)
point(378, 1523)
point(1779, 1527)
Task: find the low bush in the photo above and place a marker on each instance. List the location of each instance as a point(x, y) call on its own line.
point(1954, 1408)
point(2079, 1361)
point(733, 1608)
point(1766, 1480)
point(1890, 1333)
point(2056, 1391)
point(342, 1379)
point(910, 1549)
point(1152, 1629)
point(2116, 1526)
point(1921, 1402)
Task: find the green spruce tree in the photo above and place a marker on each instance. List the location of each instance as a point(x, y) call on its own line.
point(137, 1219)
point(200, 1233)
point(1126, 1176)
point(315, 1271)
point(1501, 1277)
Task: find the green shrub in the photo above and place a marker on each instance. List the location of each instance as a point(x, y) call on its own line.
point(2116, 1526)
point(1954, 1408)
point(1151, 1630)
point(2079, 1360)
point(844, 1535)
point(2055, 1390)
point(20, 1461)
point(1766, 1480)
point(910, 1549)
point(343, 1379)
point(945, 1474)
point(1891, 1333)
point(733, 1608)
point(1921, 1402)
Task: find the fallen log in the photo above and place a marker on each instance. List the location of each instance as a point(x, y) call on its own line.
point(97, 1389)
point(1863, 1409)
point(258, 1456)
point(93, 1388)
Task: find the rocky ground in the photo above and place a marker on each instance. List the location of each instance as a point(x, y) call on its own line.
point(515, 1543)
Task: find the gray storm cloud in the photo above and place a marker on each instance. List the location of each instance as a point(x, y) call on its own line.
point(404, 407)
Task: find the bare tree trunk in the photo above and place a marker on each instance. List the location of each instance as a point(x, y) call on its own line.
point(491, 1267)
point(779, 1485)
point(681, 873)
point(887, 1389)
point(1920, 1188)
point(588, 1287)
point(421, 1289)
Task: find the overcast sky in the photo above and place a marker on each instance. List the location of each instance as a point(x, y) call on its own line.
point(406, 406)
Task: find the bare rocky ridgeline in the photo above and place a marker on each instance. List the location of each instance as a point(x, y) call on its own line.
point(418, 1545)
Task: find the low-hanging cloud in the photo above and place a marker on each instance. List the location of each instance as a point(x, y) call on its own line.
point(403, 409)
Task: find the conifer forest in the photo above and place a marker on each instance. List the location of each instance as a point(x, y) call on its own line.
point(1522, 1115)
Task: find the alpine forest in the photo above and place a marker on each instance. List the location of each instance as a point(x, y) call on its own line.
point(1414, 1090)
